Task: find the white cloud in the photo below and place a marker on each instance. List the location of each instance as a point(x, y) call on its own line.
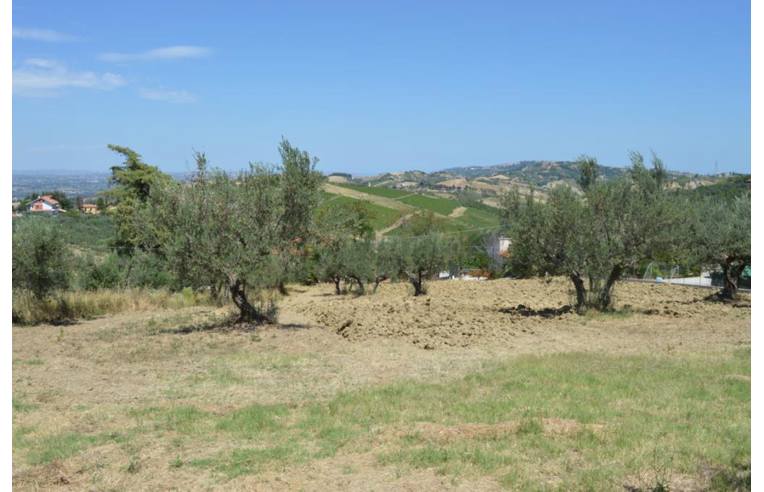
point(45, 35)
point(166, 53)
point(173, 96)
point(43, 77)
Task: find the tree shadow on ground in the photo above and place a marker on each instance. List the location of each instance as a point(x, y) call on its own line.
point(227, 324)
point(523, 310)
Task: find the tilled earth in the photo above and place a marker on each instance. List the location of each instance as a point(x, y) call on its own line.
point(503, 312)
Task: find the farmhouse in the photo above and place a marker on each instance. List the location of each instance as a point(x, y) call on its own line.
point(45, 203)
point(89, 208)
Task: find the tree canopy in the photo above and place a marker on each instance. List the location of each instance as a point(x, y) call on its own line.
point(232, 231)
point(593, 239)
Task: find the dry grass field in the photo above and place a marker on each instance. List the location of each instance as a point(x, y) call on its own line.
point(476, 386)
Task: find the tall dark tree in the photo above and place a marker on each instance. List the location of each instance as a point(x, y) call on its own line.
point(588, 170)
point(131, 184)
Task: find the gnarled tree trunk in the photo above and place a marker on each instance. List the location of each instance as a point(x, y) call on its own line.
point(378, 280)
point(732, 270)
point(361, 289)
point(418, 282)
point(282, 288)
point(605, 296)
point(247, 312)
point(337, 279)
point(578, 284)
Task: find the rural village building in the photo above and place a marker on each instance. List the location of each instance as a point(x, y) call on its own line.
point(89, 208)
point(45, 203)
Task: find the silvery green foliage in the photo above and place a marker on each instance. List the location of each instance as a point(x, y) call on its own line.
point(41, 259)
point(721, 238)
point(415, 258)
point(594, 237)
point(230, 232)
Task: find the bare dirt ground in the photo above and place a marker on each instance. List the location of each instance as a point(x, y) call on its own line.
point(402, 220)
point(485, 316)
point(82, 378)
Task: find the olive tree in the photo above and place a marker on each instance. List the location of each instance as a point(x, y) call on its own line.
point(721, 238)
point(343, 248)
point(416, 258)
point(595, 238)
point(41, 261)
point(300, 195)
point(230, 231)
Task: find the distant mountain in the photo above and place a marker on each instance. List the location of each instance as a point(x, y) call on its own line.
point(493, 180)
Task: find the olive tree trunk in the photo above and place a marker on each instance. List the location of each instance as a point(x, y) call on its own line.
point(378, 280)
point(578, 284)
point(731, 275)
point(361, 289)
point(418, 282)
point(605, 296)
point(247, 312)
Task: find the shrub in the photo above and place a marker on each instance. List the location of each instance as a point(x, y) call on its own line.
point(41, 260)
point(104, 275)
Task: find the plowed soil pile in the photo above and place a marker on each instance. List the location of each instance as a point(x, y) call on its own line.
point(464, 313)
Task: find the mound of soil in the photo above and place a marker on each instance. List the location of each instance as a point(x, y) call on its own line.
point(462, 313)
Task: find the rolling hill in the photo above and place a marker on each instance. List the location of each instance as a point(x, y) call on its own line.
point(391, 208)
point(485, 183)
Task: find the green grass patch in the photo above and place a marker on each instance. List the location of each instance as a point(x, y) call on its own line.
point(474, 218)
point(380, 217)
point(19, 405)
point(253, 421)
point(588, 421)
point(442, 206)
point(62, 446)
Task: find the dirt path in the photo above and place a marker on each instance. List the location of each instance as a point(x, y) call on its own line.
point(457, 212)
point(378, 200)
point(381, 233)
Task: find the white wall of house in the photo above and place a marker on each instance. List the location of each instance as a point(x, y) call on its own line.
point(41, 206)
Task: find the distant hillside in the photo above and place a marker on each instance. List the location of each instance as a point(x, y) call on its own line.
point(392, 208)
point(486, 182)
point(725, 188)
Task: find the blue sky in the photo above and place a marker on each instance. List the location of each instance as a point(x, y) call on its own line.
point(380, 86)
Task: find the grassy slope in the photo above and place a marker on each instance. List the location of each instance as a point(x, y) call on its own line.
point(575, 421)
point(473, 218)
point(381, 217)
point(442, 206)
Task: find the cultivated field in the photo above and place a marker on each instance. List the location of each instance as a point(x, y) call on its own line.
point(476, 386)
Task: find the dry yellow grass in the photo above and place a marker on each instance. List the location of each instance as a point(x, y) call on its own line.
point(155, 399)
